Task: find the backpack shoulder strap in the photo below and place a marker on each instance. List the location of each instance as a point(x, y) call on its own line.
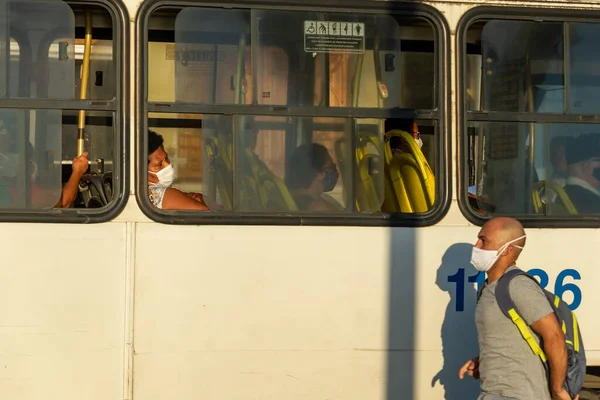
point(508, 308)
point(502, 290)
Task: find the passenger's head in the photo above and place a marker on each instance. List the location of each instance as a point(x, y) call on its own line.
point(499, 244)
point(406, 125)
point(558, 159)
point(583, 158)
point(311, 170)
point(160, 169)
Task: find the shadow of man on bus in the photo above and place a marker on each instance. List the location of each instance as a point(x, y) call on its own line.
point(459, 334)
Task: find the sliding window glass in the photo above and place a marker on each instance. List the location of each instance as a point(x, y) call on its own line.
point(59, 111)
point(277, 114)
point(532, 97)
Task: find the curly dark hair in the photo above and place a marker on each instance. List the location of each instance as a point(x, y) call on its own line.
point(155, 141)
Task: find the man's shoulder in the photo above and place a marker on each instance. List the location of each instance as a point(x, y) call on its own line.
point(529, 298)
point(523, 284)
point(573, 189)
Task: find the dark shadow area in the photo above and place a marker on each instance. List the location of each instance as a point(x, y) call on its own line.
point(401, 316)
point(457, 276)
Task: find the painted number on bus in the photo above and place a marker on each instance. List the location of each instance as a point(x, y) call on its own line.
point(560, 287)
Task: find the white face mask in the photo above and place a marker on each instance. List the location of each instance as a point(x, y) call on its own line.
point(483, 260)
point(419, 142)
point(166, 176)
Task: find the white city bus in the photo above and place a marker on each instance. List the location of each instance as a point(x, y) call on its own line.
point(288, 288)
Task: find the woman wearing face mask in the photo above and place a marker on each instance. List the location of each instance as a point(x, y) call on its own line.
point(311, 173)
point(160, 177)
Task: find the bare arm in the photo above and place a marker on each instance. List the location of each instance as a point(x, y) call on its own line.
point(70, 189)
point(556, 351)
point(321, 205)
point(176, 200)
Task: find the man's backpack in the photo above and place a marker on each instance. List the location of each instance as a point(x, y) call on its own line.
point(576, 362)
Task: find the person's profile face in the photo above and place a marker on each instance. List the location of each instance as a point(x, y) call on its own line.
point(158, 160)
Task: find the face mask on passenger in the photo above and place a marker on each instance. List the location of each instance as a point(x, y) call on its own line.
point(166, 176)
point(483, 260)
point(419, 142)
point(330, 180)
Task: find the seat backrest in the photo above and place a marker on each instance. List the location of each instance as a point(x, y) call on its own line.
point(367, 194)
point(220, 168)
point(409, 184)
point(410, 177)
point(268, 187)
point(563, 204)
point(536, 198)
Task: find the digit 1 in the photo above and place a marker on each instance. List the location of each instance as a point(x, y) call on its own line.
point(459, 279)
point(479, 278)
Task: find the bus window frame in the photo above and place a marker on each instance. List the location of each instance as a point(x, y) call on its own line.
point(465, 116)
point(440, 113)
point(118, 106)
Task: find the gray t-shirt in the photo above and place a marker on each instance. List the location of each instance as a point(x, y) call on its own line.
point(507, 366)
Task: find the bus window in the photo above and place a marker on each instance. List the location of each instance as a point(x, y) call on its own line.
point(47, 60)
point(288, 109)
point(531, 168)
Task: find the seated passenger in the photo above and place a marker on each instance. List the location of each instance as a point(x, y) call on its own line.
point(160, 177)
point(397, 144)
point(583, 159)
point(311, 173)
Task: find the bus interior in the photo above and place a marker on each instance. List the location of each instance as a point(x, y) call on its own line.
point(43, 56)
point(265, 84)
point(527, 85)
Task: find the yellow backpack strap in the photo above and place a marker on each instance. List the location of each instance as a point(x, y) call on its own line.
point(509, 309)
point(526, 333)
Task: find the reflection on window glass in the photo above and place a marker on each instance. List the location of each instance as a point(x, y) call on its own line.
point(45, 34)
point(538, 169)
point(30, 164)
point(299, 59)
point(584, 75)
point(212, 56)
point(45, 54)
point(522, 67)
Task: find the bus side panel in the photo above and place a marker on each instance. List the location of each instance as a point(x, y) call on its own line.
point(62, 302)
point(272, 312)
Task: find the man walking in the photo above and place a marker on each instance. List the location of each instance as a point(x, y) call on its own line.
point(507, 367)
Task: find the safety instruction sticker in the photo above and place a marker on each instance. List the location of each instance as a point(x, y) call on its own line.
point(334, 37)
